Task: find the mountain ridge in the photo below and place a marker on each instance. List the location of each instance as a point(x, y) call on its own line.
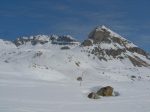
point(102, 43)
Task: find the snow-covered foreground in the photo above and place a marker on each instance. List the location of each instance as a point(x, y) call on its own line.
point(27, 95)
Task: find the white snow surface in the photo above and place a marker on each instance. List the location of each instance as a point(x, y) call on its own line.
point(4, 45)
point(42, 78)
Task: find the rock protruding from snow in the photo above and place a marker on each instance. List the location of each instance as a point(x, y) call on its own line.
point(93, 95)
point(136, 61)
point(88, 42)
point(105, 91)
point(42, 39)
point(65, 40)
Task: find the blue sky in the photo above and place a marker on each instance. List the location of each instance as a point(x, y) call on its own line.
point(129, 18)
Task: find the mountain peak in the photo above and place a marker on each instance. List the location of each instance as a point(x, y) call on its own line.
point(108, 45)
point(105, 29)
point(102, 34)
point(102, 27)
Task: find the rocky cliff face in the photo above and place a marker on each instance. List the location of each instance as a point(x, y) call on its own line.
point(108, 45)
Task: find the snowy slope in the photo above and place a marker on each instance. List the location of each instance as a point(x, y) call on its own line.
point(51, 58)
point(42, 77)
point(4, 45)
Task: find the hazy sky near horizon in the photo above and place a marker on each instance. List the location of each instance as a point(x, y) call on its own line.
point(129, 18)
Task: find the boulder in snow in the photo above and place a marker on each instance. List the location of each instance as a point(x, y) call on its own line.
point(105, 91)
point(65, 48)
point(79, 78)
point(93, 95)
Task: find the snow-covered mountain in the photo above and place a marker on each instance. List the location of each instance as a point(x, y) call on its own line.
point(104, 49)
point(108, 45)
point(39, 73)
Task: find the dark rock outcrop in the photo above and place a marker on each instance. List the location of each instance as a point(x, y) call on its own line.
point(65, 48)
point(114, 53)
point(42, 39)
point(93, 95)
point(66, 38)
point(87, 42)
point(21, 41)
point(137, 50)
point(39, 39)
point(79, 78)
point(117, 40)
point(100, 35)
point(136, 61)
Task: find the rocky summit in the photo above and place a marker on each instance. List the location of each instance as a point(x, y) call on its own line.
point(108, 45)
